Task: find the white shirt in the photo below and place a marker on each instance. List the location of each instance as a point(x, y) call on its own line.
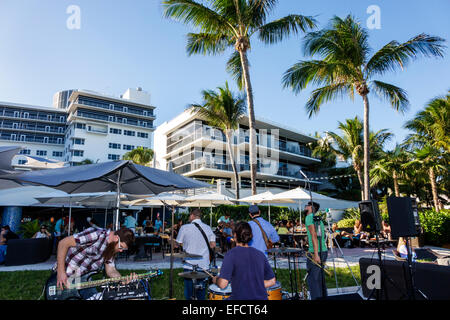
point(193, 242)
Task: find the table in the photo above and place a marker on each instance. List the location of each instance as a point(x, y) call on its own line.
point(139, 244)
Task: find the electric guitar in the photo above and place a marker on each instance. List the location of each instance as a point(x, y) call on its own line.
point(52, 292)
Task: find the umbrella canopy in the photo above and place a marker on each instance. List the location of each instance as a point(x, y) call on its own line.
point(265, 197)
point(92, 200)
point(166, 198)
point(119, 176)
point(6, 155)
point(208, 199)
point(26, 196)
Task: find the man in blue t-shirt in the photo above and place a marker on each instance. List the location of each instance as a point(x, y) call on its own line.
point(246, 268)
point(258, 238)
point(158, 224)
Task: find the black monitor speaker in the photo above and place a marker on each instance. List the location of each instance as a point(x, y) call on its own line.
point(370, 216)
point(403, 217)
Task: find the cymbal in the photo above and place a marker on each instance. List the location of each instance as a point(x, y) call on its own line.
point(183, 255)
point(193, 275)
point(215, 270)
point(285, 250)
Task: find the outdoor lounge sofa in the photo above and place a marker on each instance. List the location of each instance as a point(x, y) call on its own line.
point(28, 251)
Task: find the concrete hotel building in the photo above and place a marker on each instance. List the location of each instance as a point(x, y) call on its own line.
point(81, 125)
point(189, 146)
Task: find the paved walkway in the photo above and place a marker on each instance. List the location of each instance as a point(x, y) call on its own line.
point(340, 258)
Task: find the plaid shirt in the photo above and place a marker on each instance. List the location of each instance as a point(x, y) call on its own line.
point(86, 256)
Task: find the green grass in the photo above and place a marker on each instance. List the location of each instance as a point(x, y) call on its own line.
point(28, 285)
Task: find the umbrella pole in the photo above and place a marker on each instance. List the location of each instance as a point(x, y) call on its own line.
point(70, 214)
point(164, 217)
point(116, 222)
point(171, 257)
point(269, 211)
point(106, 215)
point(210, 217)
point(300, 213)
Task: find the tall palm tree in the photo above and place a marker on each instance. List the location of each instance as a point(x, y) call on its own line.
point(224, 24)
point(433, 161)
point(139, 156)
point(223, 110)
point(390, 166)
point(346, 66)
point(349, 145)
point(432, 125)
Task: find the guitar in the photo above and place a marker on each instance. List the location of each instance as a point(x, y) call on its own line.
point(52, 292)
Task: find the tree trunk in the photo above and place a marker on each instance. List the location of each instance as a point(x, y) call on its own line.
point(434, 189)
point(251, 118)
point(396, 188)
point(366, 149)
point(233, 163)
point(361, 183)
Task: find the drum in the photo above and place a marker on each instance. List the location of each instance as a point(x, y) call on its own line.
point(215, 293)
point(274, 292)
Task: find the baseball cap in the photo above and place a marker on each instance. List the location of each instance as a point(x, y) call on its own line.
point(253, 209)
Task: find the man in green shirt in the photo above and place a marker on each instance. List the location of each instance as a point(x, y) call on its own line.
point(318, 251)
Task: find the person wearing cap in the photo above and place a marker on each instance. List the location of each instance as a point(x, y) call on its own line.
point(318, 252)
point(258, 241)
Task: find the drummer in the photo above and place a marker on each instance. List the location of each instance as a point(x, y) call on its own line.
point(246, 268)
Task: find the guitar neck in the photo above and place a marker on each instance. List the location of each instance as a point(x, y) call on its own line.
point(96, 283)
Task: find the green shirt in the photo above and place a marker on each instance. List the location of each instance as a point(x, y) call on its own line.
point(283, 230)
point(310, 221)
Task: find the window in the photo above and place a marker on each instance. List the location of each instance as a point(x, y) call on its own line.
point(115, 131)
point(113, 157)
point(26, 115)
point(49, 117)
point(78, 141)
point(25, 151)
point(16, 114)
point(129, 133)
point(115, 145)
point(41, 153)
point(77, 153)
point(61, 119)
point(111, 118)
point(81, 126)
point(57, 154)
point(22, 161)
point(142, 135)
point(128, 147)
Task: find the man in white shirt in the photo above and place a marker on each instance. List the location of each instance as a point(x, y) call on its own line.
point(194, 242)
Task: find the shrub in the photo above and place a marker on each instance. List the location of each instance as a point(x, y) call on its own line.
point(346, 223)
point(28, 229)
point(352, 213)
point(436, 226)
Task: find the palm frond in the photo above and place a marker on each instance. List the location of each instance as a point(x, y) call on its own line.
point(397, 55)
point(396, 96)
point(276, 31)
point(324, 94)
point(206, 43)
point(234, 68)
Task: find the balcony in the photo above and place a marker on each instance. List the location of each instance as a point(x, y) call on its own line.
point(115, 107)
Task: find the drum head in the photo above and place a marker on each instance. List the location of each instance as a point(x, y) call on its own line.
point(216, 290)
point(276, 286)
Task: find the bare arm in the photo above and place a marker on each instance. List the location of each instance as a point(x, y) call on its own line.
point(221, 283)
point(63, 247)
point(313, 233)
point(269, 283)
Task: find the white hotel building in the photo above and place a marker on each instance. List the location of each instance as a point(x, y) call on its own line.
point(81, 125)
point(189, 146)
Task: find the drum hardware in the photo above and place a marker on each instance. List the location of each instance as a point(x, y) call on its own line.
point(183, 255)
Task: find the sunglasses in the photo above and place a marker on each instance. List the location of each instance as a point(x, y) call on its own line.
point(122, 248)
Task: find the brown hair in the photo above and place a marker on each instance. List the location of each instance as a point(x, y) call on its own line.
point(125, 235)
point(197, 213)
point(243, 232)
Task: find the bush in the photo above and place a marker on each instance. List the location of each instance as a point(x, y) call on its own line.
point(436, 226)
point(346, 223)
point(28, 229)
point(352, 213)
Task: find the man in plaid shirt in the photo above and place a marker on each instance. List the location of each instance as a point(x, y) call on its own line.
point(87, 251)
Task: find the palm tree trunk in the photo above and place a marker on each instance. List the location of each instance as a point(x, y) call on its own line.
point(251, 117)
point(361, 183)
point(233, 163)
point(396, 188)
point(434, 189)
point(366, 149)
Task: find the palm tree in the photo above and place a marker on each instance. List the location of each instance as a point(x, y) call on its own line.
point(433, 161)
point(349, 145)
point(86, 161)
point(227, 24)
point(223, 110)
point(390, 166)
point(139, 156)
point(432, 125)
point(346, 66)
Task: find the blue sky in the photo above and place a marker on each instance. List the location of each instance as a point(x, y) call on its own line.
point(124, 44)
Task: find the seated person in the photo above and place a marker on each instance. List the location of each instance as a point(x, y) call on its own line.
point(42, 233)
point(224, 219)
point(5, 235)
point(149, 227)
point(358, 234)
point(403, 250)
point(386, 230)
point(283, 229)
point(227, 235)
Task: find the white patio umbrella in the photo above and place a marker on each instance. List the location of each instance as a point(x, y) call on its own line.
point(210, 199)
point(265, 197)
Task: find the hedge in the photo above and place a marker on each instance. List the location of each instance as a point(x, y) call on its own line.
point(436, 226)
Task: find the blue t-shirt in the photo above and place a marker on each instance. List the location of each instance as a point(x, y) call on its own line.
point(246, 268)
point(258, 240)
point(158, 225)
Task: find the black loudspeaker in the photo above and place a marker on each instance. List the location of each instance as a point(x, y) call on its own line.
point(370, 216)
point(403, 217)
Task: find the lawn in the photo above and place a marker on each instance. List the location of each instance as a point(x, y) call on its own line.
point(28, 285)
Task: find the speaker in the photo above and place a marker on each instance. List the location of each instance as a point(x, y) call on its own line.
point(370, 216)
point(403, 217)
